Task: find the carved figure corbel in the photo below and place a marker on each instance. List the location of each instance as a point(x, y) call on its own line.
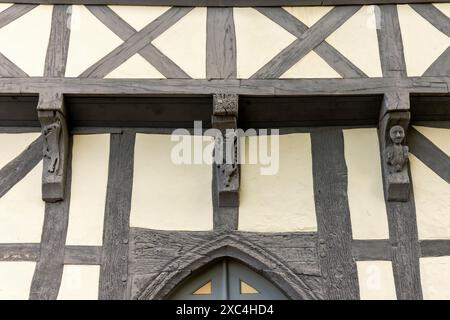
point(394, 121)
point(227, 171)
point(51, 112)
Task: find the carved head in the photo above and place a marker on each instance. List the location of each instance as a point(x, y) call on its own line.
point(397, 134)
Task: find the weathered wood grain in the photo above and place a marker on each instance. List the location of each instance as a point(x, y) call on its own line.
point(19, 251)
point(48, 272)
point(334, 58)
point(427, 152)
point(224, 218)
point(225, 3)
point(390, 42)
point(83, 255)
point(9, 69)
point(14, 12)
point(220, 44)
point(305, 43)
point(405, 248)
point(135, 43)
point(274, 87)
point(20, 166)
point(159, 260)
point(58, 46)
point(367, 250)
point(114, 266)
point(340, 278)
point(150, 53)
point(441, 66)
point(434, 16)
point(435, 248)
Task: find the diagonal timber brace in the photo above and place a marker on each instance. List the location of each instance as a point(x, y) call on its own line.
point(394, 121)
point(52, 115)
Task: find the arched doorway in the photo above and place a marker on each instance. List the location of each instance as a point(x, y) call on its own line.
point(227, 279)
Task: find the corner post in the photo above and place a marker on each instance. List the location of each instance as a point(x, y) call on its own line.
point(394, 122)
point(52, 116)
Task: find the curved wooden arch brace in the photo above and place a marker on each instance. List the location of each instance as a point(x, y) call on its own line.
point(238, 246)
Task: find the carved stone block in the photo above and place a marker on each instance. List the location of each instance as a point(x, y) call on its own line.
point(392, 130)
point(51, 114)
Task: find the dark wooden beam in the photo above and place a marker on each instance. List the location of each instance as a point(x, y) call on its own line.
point(441, 66)
point(9, 69)
point(220, 44)
point(434, 16)
point(150, 53)
point(58, 46)
point(390, 41)
point(83, 255)
point(367, 250)
point(334, 58)
point(135, 43)
point(48, 272)
point(309, 40)
point(114, 262)
point(14, 12)
point(427, 152)
point(19, 251)
point(225, 3)
point(435, 248)
point(20, 166)
point(338, 268)
point(274, 87)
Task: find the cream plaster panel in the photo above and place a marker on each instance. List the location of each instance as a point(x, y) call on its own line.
point(15, 280)
point(376, 280)
point(22, 210)
point(167, 196)
point(308, 15)
point(14, 144)
point(365, 184)
point(283, 202)
point(79, 283)
point(258, 40)
point(137, 68)
point(185, 43)
point(435, 276)
point(422, 42)
point(440, 137)
point(24, 41)
point(357, 40)
point(90, 40)
point(89, 184)
point(432, 199)
point(444, 7)
point(4, 6)
point(138, 16)
point(311, 66)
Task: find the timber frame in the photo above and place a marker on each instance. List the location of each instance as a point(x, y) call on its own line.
point(327, 266)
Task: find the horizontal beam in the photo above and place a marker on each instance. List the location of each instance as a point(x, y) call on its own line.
point(81, 255)
point(435, 248)
point(224, 3)
point(277, 87)
point(367, 250)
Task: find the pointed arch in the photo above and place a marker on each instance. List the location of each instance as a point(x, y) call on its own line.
point(236, 247)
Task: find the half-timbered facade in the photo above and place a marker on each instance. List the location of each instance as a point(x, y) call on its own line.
point(93, 207)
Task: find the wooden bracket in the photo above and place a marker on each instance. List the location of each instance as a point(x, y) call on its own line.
point(227, 171)
point(394, 122)
point(52, 115)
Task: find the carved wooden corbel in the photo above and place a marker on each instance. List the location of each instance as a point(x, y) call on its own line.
point(394, 122)
point(52, 115)
point(227, 171)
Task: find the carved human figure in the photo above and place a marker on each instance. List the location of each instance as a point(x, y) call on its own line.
point(397, 154)
point(52, 134)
